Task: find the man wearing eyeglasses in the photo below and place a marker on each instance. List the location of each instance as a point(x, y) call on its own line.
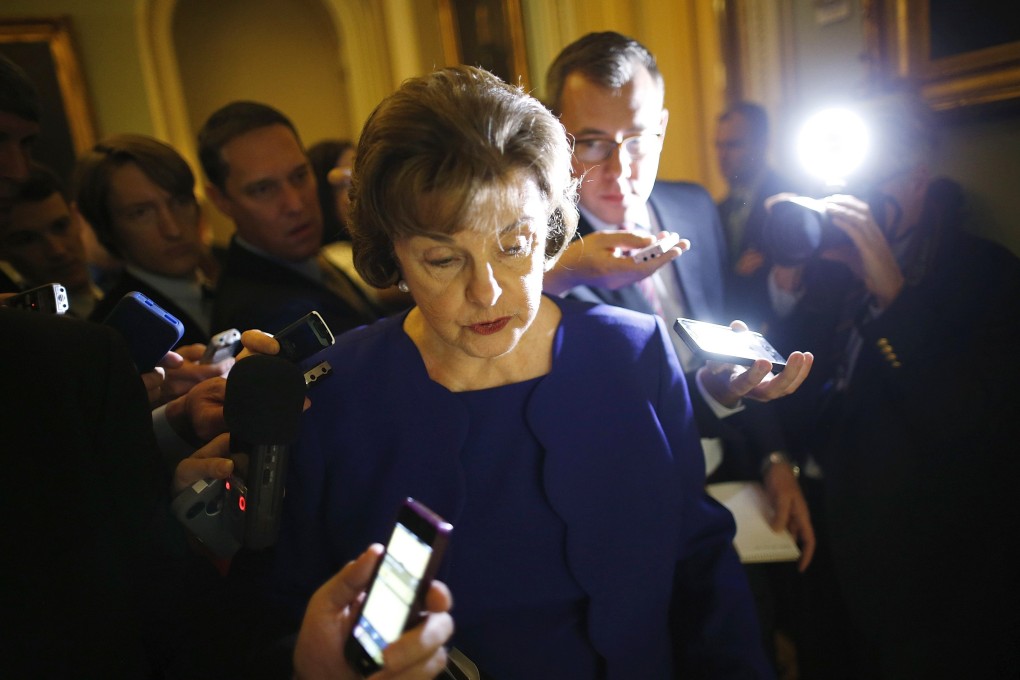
point(608, 93)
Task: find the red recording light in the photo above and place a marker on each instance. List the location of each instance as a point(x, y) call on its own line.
point(241, 503)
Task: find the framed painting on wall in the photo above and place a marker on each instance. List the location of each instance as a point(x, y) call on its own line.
point(959, 53)
point(486, 33)
point(45, 50)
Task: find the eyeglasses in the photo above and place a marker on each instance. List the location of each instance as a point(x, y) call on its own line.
point(598, 149)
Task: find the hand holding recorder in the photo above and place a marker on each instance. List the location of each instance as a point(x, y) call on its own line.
point(606, 259)
point(49, 299)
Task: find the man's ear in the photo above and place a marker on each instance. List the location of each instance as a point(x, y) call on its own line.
point(220, 200)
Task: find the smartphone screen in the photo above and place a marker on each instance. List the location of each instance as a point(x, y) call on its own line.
point(399, 586)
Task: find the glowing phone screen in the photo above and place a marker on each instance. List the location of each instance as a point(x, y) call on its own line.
point(393, 592)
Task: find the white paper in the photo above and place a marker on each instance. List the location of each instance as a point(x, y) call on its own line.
point(755, 541)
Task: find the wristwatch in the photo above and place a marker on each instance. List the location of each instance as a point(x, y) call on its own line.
point(779, 457)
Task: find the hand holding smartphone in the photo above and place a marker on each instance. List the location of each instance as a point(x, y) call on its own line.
point(722, 343)
point(397, 591)
point(149, 329)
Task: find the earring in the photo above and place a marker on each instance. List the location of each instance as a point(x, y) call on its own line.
point(403, 287)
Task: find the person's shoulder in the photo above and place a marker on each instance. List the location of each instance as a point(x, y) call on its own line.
point(605, 320)
point(243, 266)
point(47, 340)
point(124, 284)
point(366, 343)
point(679, 191)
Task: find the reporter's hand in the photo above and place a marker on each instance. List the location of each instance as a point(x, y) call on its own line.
point(185, 372)
point(790, 508)
point(873, 260)
point(153, 381)
point(330, 615)
point(258, 342)
point(599, 259)
point(198, 415)
point(729, 383)
point(209, 462)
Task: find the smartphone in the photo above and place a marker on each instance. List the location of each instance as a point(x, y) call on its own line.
point(50, 298)
point(396, 594)
point(222, 346)
point(656, 249)
point(303, 338)
point(721, 343)
point(150, 330)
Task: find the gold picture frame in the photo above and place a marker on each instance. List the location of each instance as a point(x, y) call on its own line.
point(486, 33)
point(957, 61)
point(45, 49)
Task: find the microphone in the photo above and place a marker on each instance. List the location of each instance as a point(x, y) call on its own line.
point(263, 403)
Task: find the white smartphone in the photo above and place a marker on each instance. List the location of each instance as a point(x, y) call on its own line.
point(656, 249)
point(722, 343)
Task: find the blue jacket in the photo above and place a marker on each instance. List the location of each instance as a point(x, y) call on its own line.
point(623, 469)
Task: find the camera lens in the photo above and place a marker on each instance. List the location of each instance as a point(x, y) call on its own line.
point(792, 233)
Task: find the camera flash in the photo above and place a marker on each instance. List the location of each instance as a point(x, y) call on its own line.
point(832, 144)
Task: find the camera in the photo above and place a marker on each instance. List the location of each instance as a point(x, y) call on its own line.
point(833, 145)
point(796, 229)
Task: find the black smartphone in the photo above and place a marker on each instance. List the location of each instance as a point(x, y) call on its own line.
point(396, 594)
point(303, 338)
point(722, 343)
point(50, 299)
point(222, 346)
point(150, 330)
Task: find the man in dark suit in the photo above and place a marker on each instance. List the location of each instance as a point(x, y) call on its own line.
point(910, 423)
point(608, 93)
point(260, 177)
point(138, 194)
point(741, 145)
point(43, 240)
point(19, 126)
point(94, 564)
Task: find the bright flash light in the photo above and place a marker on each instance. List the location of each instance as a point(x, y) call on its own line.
point(832, 144)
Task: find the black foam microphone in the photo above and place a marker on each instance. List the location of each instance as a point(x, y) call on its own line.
point(263, 403)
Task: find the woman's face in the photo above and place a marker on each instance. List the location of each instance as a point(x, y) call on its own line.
point(479, 289)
